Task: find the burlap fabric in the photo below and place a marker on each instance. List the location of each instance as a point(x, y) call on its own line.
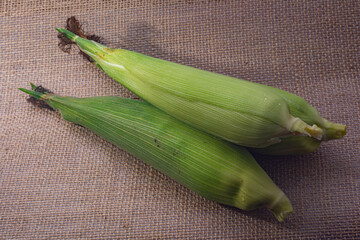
point(59, 180)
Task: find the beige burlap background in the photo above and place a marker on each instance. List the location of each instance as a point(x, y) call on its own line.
point(58, 180)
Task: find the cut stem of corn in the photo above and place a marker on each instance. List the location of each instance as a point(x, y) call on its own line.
point(215, 169)
point(236, 110)
point(333, 130)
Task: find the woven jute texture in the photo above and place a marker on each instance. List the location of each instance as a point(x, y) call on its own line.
point(59, 180)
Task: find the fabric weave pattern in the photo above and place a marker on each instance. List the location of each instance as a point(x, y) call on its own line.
point(59, 180)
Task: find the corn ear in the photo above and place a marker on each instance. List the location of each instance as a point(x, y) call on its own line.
point(215, 169)
point(236, 110)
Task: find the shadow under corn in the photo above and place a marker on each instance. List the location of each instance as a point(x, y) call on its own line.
point(144, 38)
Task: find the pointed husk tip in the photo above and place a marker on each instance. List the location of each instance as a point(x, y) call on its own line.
point(282, 208)
point(67, 33)
point(34, 94)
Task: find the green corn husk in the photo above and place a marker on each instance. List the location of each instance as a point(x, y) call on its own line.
point(239, 111)
point(216, 169)
point(300, 108)
point(290, 146)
